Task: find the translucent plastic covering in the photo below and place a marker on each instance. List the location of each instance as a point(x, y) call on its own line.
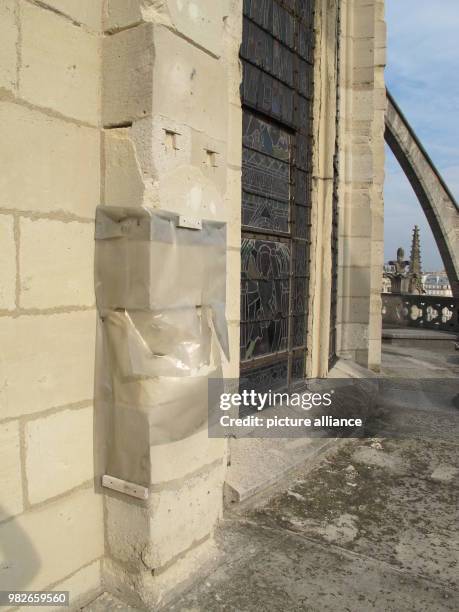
point(160, 291)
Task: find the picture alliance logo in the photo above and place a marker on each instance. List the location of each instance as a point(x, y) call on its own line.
point(261, 401)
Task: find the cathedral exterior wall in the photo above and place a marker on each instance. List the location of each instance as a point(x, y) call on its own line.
point(137, 104)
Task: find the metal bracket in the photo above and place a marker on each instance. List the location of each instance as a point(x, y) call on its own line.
point(189, 222)
point(123, 486)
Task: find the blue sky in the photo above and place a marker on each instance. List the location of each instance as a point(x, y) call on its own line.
point(423, 76)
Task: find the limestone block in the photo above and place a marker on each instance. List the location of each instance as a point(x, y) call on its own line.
point(10, 471)
point(200, 21)
point(186, 190)
point(56, 263)
point(127, 59)
point(356, 310)
point(60, 446)
point(83, 583)
point(380, 56)
point(43, 161)
point(118, 14)
point(380, 100)
point(209, 155)
point(182, 516)
point(177, 459)
point(233, 208)
point(376, 271)
point(148, 590)
point(7, 263)
point(363, 104)
point(364, 21)
point(123, 183)
point(9, 37)
point(45, 361)
point(83, 586)
point(380, 32)
point(361, 220)
point(231, 368)
point(232, 18)
point(189, 85)
point(355, 252)
point(362, 164)
point(233, 284)
point(126, 529)
point(373, 358)
point(363, 52)
point(363, 76)
point(85, 12)
point(355, 336)
point(354, 282)
point(60, 65)
point(171, 145)
point(42, 546)
point(235, 134)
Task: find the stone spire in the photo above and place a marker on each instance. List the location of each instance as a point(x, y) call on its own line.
point(415, 273)
point(415, 256)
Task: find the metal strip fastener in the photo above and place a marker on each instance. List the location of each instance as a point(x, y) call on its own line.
point(189, 222)
point(123, 486)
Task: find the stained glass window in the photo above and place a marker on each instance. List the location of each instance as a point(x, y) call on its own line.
point(277, 89)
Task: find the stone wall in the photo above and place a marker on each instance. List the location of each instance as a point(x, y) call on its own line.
point(361, 168)
point(136, 103)
point(51, 525)
point(172, 129)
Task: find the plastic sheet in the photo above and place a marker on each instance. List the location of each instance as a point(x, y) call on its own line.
point(161, 296)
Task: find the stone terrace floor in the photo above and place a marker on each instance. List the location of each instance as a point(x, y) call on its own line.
point(373, 526)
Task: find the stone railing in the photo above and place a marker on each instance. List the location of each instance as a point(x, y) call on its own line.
point(424, 311)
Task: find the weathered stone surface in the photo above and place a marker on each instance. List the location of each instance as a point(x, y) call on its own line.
point(152, 536)
point(43, 161)
point(60, 446)
point(189, 85)
point(7, 263)
point(150, 590)
point(56, 263)
point(126, 530)
point(85, 583)
point(11, 502)
point(127, 76)
point(201, 22)
point(83, 586)
point(86, 12)
point(31, 554)
point(45, 361)
point(173, 531)
point(177, 459)
point(60, 67)
point(124, 184)
point(119, 14)
point(8, 51)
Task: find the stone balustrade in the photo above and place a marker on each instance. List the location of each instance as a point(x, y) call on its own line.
point(422, 311)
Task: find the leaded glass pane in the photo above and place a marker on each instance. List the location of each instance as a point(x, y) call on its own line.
point(301, 262)
point(264, 297)
point(298, 330)
point(277, 56)
point(265, 93)
point(298, 367)
point(265, 175)
point(264, 213)
point(283, 25)
point(302, 187)
point(266, 377)
point(301, 222)
point(265, 137)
